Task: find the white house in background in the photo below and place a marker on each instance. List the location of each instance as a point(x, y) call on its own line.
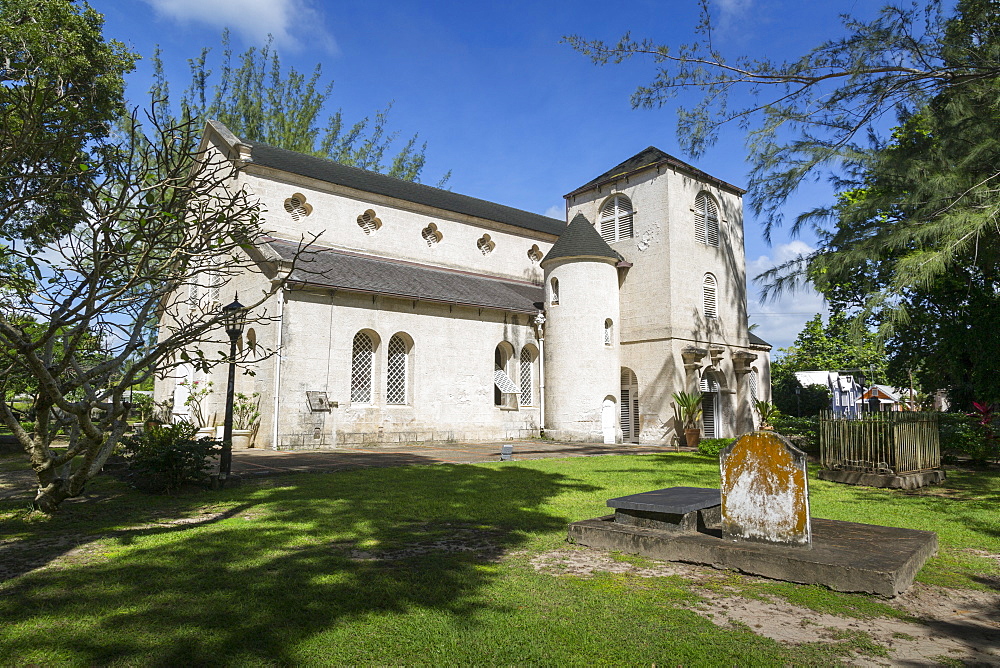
point(422, 314)
point(845, 389)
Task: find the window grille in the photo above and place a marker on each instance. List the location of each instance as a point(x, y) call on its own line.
point(504, 391)
point(431, 234)
point(485, 244)
point(369, 222)
point(615, 220)
point(395, 372)
point(526, 393)
point(362, 356)
point(297, 207)
point(709, 293)
point(706, 220)
point(752, 378)
point(608, 332)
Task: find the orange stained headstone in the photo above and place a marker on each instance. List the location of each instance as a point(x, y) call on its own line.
point(765, 491)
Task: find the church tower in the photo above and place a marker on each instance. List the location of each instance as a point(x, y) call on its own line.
point(582, 360)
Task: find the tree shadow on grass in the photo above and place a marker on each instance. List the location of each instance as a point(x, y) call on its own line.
point(284, 565)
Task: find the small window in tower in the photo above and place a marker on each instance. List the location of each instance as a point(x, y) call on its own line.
point(609, 333)
point(554, 297)
point(615, 221)
point(709, 294)
point(706, 220)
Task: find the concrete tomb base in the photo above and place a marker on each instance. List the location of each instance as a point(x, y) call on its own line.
point(845, 556)
point(895, 481)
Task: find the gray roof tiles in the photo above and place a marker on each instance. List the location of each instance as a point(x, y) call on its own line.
point(581, 240)
point(364, 180)
point(325, 267)
point(652, 157)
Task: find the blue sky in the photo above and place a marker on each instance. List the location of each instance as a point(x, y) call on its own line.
point(518, 117)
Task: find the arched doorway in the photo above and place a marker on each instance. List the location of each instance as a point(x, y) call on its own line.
point(630, 406)
point(608, 420)
point(710, 406)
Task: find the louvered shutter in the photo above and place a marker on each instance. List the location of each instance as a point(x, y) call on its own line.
point(700, 204)
point(608, 220)
point(709, 290)
point(624, 218)
point(626, 418)
point(708, 414)
point(711, 222)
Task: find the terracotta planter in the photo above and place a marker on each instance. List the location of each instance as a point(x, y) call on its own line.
point(692, 437)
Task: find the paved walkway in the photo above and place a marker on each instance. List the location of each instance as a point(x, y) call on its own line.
point(269, 462)
point(259, 462)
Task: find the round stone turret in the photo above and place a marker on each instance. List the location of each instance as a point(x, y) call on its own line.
point(582, 361)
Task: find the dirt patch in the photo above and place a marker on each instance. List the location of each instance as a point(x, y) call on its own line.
point(961, 626)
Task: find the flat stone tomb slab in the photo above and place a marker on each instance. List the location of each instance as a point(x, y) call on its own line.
point(845, 556)
point(670, 509)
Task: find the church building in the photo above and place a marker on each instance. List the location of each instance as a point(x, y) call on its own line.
point(420, 314)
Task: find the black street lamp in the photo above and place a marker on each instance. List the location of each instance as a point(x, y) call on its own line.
point(234, 317)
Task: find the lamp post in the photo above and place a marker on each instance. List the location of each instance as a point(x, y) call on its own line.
point(234, 317)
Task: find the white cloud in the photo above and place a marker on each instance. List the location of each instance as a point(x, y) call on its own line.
point(781, 320)
point(287, 20)
point(556, 211)
point(731, 13)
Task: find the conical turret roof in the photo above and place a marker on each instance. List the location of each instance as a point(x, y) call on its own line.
point(581, 240)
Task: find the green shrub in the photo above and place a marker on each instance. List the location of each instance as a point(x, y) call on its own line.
point(961, 436)
point(711, 447)
point(163, 459)
point(803, 432)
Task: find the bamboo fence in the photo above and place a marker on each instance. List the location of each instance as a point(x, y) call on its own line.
point(883, 443)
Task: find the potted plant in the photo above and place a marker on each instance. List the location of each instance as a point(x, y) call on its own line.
point(246, 418)
point(689, 406)
point(197, 392)
point(767, 412)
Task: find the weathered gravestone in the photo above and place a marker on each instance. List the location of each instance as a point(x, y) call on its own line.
point(765, 491)
point(758, 522)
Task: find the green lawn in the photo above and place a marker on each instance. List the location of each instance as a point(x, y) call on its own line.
point(366, 567)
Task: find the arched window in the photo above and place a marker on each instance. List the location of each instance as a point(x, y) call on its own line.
point(527, 372)
point(615, 220)
point(609, 332)
point(395, 371)
point(706, 220)
point(710, 298)
point(504, 391)
point(554, 296)
point(362, 358)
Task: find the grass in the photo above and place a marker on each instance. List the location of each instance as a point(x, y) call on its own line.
point(374, 566)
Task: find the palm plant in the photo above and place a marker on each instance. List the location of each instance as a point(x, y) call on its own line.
point(689, 405)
